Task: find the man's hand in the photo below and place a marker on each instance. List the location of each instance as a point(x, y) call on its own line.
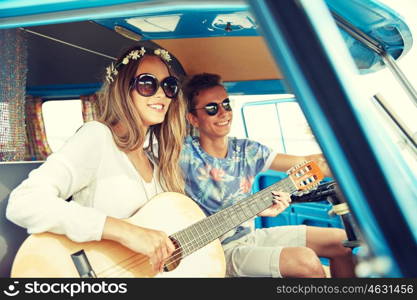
point(281, 201)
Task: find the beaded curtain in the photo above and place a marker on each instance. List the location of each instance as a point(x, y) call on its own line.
point(13, 70)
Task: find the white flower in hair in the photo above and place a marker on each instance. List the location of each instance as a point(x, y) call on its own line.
point(142, 51)
point(164, 54)
point(134, 54)
point(110, 71)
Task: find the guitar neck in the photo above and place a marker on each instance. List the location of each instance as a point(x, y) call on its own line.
point(208, 229)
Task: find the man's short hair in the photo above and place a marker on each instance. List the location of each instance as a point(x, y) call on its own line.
point(197, 83)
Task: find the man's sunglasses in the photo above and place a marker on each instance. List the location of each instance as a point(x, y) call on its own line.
point(212, 108)
point(147, 85)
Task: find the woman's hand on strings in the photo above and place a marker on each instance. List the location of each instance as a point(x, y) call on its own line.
point(153, 243)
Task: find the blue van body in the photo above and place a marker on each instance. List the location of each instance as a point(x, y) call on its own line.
point(318, 45)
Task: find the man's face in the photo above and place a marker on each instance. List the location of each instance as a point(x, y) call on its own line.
point(217, 125)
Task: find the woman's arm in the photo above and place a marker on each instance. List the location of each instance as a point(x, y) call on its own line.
point(38, 203)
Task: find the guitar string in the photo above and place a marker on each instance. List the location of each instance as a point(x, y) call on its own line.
point(288, 185)
point(141, 259)
point(178, 255)
point(173, 259)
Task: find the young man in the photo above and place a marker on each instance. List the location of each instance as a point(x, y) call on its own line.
point(220, 171)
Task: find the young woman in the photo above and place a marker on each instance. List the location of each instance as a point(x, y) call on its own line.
point(113, 166)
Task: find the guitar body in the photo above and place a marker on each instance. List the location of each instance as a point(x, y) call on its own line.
point(49, 255)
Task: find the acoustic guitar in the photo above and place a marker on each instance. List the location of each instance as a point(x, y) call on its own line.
point(198, 250)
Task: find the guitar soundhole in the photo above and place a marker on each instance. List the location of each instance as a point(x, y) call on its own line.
point(175, 259)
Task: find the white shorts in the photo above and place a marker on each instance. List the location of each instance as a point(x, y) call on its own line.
point(257, 253)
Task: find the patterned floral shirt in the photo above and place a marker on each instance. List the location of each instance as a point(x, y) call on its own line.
point(216, 183)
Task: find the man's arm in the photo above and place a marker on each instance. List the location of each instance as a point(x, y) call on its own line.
point(284, 162)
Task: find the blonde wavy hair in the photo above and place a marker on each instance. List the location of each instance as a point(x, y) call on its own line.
point(117, 106)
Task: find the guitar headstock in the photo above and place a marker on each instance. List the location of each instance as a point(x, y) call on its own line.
point(306, 176)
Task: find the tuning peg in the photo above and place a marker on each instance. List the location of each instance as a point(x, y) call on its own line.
point(298, 193)
point(289, 171)
point(303, 192)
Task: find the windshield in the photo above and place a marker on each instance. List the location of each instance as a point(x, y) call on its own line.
point(396, 108)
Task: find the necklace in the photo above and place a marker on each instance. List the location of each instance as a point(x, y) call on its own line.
point(150, 188)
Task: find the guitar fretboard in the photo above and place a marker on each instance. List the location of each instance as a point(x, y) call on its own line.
point(208, 229)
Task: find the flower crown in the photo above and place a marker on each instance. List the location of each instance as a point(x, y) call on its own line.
point(134, 55)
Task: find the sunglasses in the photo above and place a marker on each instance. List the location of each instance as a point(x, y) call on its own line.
point(212, 108)
point(147, 85)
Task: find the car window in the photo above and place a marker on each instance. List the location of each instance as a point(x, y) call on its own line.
point(61, 118)
point(279, 124)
